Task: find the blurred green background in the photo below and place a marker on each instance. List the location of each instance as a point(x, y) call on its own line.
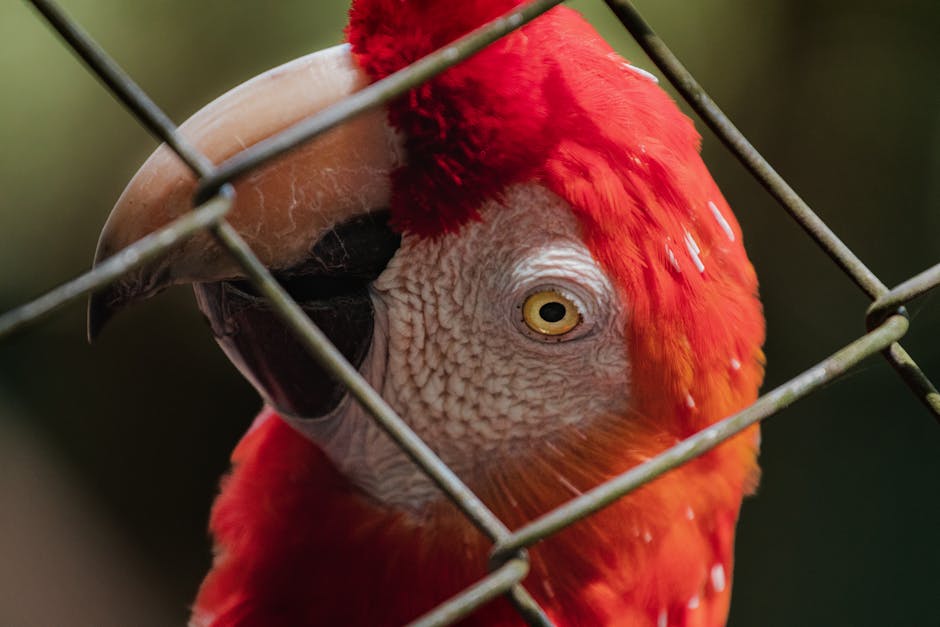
point(110, 455)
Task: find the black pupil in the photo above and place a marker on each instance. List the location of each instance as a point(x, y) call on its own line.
point(552, 312)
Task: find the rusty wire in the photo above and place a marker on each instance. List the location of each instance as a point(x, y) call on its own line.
point(886, 318)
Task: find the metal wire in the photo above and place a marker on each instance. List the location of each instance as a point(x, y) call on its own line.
point(311, 337)
point(775, 184)
point(767, 405)
point(907, 291)
point(509, 563)
point(476, 595)
point(116, 266)
point(374, 95)
point(122, 86)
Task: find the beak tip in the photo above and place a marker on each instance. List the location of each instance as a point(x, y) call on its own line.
point(100, 312)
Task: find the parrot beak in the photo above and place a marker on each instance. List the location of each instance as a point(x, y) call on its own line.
point(313, 216)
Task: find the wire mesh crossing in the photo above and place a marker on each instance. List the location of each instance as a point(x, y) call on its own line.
point(886, 318)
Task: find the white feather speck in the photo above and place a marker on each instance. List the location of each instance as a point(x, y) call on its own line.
point(641, 72)
point(718, 577)
point(721, 220)
point(694, 251)
point(613, 56)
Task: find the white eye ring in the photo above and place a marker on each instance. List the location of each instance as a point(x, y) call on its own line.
point(551, 314)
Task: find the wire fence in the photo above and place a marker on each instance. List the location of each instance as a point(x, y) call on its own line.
point(886, 318)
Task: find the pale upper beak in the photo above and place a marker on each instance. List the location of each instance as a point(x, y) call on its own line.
point(281, 209)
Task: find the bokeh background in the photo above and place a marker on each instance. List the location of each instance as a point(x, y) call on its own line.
point(110, 454)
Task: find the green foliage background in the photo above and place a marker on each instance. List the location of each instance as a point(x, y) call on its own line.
point(842, 97)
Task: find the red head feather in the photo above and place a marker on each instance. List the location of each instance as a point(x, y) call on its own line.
point(552, 104)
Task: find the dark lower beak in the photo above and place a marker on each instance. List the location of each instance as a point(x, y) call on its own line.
point(332, 287)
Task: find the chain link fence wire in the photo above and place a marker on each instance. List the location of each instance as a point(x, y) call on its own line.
point(886, 318)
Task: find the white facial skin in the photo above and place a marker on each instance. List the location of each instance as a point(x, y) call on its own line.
point(452, 354)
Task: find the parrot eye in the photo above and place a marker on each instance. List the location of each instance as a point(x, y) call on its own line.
point(550, 313)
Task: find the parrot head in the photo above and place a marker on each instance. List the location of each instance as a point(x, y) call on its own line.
point(528, 259)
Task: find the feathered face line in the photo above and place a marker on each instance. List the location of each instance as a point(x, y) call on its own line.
point(552, 103)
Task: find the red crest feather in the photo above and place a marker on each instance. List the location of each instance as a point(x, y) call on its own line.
point(551, 103)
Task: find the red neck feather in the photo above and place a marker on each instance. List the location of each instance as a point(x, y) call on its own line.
point(300, 546)
point(550, 103)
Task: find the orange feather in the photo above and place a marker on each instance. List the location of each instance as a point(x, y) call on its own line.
point(552, 103)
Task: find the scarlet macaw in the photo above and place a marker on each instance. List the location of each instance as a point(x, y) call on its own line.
point(527, 257)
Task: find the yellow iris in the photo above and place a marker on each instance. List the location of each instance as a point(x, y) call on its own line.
point(550, 313)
